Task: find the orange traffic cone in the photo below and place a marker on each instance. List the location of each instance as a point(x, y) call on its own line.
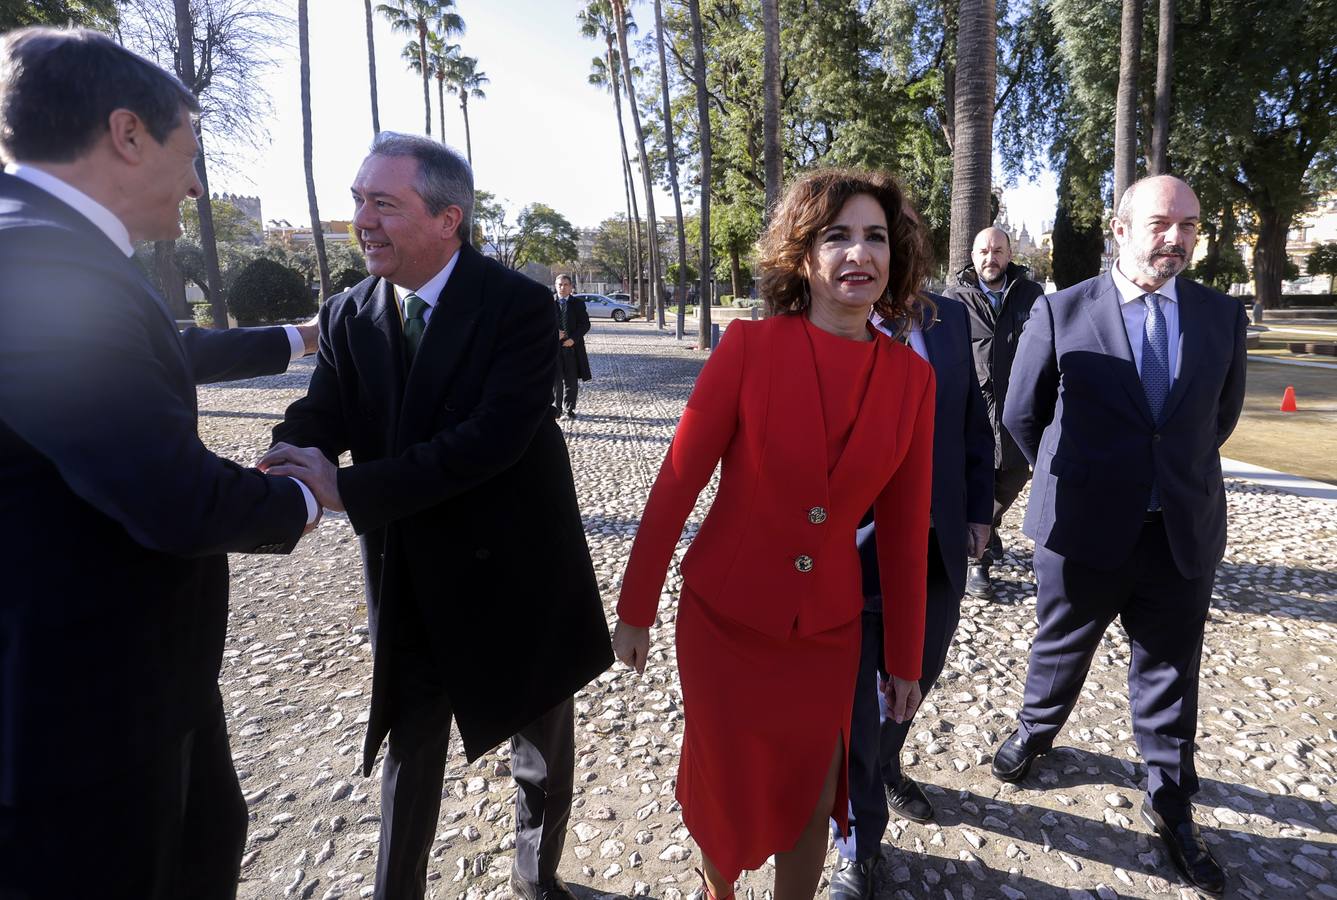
point(1288, 399)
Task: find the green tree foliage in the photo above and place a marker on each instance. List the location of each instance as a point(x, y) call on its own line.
point(609, 254)
point(231, 224)
point(89, 13)
point(544, 236)
point(267, 291)
point(1322, 260)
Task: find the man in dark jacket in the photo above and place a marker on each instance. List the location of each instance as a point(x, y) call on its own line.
point(436, 373)
point(998, 296)
point(573, 362)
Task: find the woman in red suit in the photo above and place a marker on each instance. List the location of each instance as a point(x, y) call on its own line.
point(816, 417)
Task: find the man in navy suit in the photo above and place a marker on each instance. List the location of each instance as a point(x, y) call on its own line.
point(962, 507)
point(1124, 388)
point(115, 520)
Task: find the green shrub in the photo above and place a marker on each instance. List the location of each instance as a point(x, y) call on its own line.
point(347, 278)
point(204, 315)
point(726, 300)
point(266, 291)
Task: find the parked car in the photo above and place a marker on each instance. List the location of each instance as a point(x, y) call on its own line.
point(619, 296)
point(601, 307)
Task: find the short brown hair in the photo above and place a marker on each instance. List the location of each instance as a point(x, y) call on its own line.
point(813, 202)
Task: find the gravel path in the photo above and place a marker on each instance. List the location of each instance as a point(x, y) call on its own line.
point(296, 681)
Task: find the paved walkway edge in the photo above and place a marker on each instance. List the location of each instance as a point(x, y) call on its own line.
point(1253, 357)
point(1281, 481)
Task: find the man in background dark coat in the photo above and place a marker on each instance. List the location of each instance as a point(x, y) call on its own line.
point(573, 362)
point(998, 295)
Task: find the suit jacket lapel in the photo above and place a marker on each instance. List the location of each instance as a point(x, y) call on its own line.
point(1102, 306)
point(797, 398)
point(376, 343)
point(1190, 342)
point(443, 347)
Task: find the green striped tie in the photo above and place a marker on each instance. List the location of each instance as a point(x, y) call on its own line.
point(414, 324)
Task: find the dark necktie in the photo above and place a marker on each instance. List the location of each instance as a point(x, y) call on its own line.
point(561, 315)
point(414, 324)
point(1155, 368)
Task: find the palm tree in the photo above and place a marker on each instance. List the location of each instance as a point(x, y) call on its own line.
point(317, 236)
point(673, 174)
point(467, 81)
point(972, 152)
point(620, 18)
point(604, 75)
point(423, 17)
point(596, 21)
point(1125, 110)
point(770, 26)
point(439, 55)
point(703, 117)
point(371, 69)
point(1159, 164)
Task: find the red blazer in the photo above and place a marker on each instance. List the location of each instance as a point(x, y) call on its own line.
point(777, 550)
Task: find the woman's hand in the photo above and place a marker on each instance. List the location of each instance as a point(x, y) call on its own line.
point(902, 698)
point(632, 645)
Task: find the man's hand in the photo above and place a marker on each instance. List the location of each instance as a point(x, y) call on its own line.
point(568, 343)
point(310, 332)
point(977, 539)
point(902, 698)
point(631, 645)
point(561, 335)
point(309, 466)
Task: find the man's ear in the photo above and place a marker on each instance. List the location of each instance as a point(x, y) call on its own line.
point(451, 217)
point(127, 134)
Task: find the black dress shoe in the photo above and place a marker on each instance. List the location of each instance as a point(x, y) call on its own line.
point(1188, 851)
point(570, 413)
point(1011, 761)
point(977, 582)
point(547, 889)
point(908, 801)
point(853, 880)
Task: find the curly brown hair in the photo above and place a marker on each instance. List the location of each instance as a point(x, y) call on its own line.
point(813, 202)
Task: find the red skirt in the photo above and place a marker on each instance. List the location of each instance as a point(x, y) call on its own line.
point(762, 718)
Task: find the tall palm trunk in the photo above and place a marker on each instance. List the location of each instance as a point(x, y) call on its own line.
point(972, 151)
point(317, 235)
point(371, 70)
point(634, 223)
point(1125, 110)
point(673, 174)
point(185, 70)
point(703, 114)
point(1159, 163)
point(468, 135)
point(770, 26)
point(426, 74)
point(647, 175)
point(441, 102)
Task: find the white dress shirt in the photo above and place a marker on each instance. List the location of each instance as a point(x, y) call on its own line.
point(1134, 312)
point(116, 232)
point(430, 292)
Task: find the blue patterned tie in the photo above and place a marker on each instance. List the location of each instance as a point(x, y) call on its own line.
point(1155, 368)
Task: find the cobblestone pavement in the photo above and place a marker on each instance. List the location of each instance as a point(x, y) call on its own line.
point(297, 679)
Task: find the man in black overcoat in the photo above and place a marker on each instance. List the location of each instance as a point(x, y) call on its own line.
point(436, 373)
point(573, 361)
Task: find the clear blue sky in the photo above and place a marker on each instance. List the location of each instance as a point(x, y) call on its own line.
point(543, 134)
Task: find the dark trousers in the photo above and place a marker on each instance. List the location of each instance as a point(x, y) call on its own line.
point(1007, 486)
point(163, 829)
point(1164, 615)
point(568, 380)
point(542, 764)
point(875, 745)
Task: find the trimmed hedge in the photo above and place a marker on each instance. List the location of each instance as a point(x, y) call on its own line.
point(266, 291)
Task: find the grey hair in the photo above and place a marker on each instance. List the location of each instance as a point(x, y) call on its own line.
point(1125, 209)
point(444, 177)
